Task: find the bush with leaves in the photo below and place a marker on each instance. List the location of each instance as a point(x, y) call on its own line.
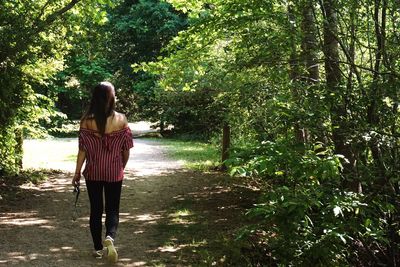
point(33, 43)
point(305, 216)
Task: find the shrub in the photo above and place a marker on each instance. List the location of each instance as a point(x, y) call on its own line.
point(306, 217)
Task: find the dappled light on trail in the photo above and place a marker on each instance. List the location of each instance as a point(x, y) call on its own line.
point(169, 216)
point(22, 219)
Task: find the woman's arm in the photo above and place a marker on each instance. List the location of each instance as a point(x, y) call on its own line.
point(79, 163)
point(125, 153)
point(125, 157)
point(80, 159)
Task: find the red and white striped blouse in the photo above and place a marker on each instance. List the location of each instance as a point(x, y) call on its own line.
point(104, 154)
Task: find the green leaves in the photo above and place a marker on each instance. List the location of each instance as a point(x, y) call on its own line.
point(308, 224)
point(35, 38)
point(308, 217)
point(313, 135)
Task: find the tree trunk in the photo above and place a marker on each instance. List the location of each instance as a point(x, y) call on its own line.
point(19, 153)
point(307, 57)
point(335, 95)
point(309, 43)
point(376, 94)
point(294, 75)
point(309, 47)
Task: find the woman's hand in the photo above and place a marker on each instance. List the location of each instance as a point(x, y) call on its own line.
point(76, 181)
point(79, 162)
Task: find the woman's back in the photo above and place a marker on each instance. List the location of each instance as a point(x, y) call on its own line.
point(115, 122)
point(105, 160)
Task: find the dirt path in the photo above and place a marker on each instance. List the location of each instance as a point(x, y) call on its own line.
point(169, 217)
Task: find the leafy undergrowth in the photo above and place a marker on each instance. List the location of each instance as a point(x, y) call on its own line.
point(309, 217)
point(10, 186)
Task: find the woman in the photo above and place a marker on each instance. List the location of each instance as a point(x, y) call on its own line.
point(104, 143)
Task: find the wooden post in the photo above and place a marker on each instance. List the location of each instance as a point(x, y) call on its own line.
point(19, 137)
point(226, 141)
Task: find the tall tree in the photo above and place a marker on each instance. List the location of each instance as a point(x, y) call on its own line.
point(32, 46)
point(335, 92)
point(262, 57)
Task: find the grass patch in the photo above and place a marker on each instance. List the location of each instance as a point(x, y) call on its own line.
point(70, 158)
point(195, 155)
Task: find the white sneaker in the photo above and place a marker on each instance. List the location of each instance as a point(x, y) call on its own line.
point(112, 254)
point(98, 254)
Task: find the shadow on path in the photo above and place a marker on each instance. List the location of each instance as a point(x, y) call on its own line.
point(168, 217)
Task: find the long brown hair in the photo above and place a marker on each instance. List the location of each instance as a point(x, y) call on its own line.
point(102, 105)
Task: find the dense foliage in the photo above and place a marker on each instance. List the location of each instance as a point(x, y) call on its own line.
point(34, 38)
point(132, 32)
point(138, 31)
point(52, 53)
point(309, 90)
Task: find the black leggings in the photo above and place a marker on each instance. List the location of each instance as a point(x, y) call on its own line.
point(112, 193)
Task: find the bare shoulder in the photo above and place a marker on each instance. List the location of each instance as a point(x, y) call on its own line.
point(84, 123)
point(89, 124)
point(121, 119)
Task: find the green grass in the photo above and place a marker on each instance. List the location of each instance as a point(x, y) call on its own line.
point(194, 154)
point(70, 158)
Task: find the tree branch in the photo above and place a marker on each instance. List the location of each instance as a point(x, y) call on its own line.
point(52, 17)
point(43, 9)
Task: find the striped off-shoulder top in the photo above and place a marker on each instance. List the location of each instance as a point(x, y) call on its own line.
point(104, 160)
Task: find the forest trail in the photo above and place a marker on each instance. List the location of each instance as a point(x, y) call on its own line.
point(169, 216)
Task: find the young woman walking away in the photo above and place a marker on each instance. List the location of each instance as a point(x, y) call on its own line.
point(104, 143)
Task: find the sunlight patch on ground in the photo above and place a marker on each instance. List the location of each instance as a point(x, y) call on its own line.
point(170, 248)
point(148, 217)
point(175, 248)
point(21, 257)
point(67, 248)
point(180, 217)
point(47, 186)
point(183, 212)
point(182, 221)
point(148, 158)
point(138, 263)
point(23, 222)
point(22, 219)
point(228, 207)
